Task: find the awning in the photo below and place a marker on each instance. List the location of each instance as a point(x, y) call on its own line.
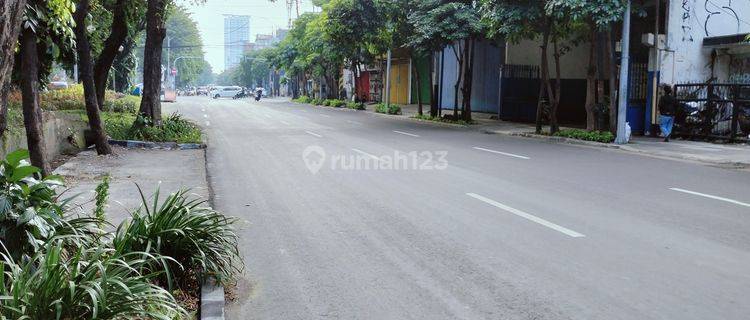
point(735, 43)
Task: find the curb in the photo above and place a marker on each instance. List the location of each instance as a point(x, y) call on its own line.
point(729, 164)
point(212, 301)
point(412, 119)
point(156, 145)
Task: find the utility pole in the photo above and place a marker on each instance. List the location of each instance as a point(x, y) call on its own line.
point(624, 68)
point(387, 90)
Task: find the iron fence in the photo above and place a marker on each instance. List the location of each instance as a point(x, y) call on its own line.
point(713, 111)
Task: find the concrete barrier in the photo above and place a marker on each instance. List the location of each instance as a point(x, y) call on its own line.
point(63, 133)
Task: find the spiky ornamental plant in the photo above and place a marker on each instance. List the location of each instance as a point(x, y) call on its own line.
point(197, 237)
point(94, 282)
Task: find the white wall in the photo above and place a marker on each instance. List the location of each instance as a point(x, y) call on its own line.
point(572, 64)
point(689, 22)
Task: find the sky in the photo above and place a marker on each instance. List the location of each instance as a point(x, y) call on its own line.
point(265, 16)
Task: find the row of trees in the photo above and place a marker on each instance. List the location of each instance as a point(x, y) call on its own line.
point(92, 34)
point(349, 33)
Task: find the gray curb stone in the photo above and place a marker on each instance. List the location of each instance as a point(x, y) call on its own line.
point(212, 301)
point(156, 145)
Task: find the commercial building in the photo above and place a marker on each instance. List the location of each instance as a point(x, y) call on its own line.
point(236, 38)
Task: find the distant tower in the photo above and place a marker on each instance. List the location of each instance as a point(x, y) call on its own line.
point(236, 38)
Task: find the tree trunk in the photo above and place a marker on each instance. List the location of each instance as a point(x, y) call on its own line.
point(591, 80)
point(554, 126)
point(612, 83)
point(433, 88)
point(85, 73)
point(419, 87)
point(11, 12)
point(468, 75)
point(32, 115)
point(117, 36)
point(155, 33)
point(544, 84)
point(460, 59)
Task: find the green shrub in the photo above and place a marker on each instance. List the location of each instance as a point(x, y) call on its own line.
point(71, 269)
point(336, 103)
point(30, 212)
point(185, 229)
point(392, 109)
point(356, 105)
point(598, 136)
point(427, 117)
point(317, 102)
point(327, 102)
point(126, 103)
point(303, 99)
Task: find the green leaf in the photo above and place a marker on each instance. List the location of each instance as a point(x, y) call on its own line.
point(23, 172)
point(15, 157)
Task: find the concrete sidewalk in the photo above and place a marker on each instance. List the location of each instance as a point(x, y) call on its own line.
point(168, 170)
point(727, 155)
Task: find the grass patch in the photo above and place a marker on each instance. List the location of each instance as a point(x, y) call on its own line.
point(427, 117)
point(580, 134)
point(174, 128)
point(391, 109)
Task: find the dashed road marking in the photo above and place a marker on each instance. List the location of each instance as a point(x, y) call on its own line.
point(313, 134)
point(503, 153)
point(406, 133)
point(366, 154)
point(695, 193)
point(527, 216)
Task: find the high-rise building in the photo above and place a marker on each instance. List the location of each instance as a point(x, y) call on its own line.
point(236, 37)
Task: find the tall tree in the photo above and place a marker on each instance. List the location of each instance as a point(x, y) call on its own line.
point(455, 24)
point(156, 15)
point(516, 20)
point(127, 20)
point(43, 21)
point(86, 74)
point(595, 16)
point(353, 26)
point(11, 14)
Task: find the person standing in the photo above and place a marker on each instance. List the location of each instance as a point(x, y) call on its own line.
point(667, 108)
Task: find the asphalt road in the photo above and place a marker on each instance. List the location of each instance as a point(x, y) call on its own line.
point(477, 226)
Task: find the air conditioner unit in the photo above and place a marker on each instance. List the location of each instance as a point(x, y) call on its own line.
point(647, 39)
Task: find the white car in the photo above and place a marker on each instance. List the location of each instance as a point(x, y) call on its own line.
point(225, 92)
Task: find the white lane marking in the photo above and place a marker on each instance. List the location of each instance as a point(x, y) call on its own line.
point(284, 122)
point(313, 134)
point(205, 116)
point(527, 216)
point(267, 116)
point(365, 154)
point(208, 123)
point(711, 197)
point(203, 109)
point(353, 122)
point(325, 115)
point(406, 133)
point(503, 153)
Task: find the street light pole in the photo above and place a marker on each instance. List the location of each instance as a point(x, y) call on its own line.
point(624, 68)
point(388, 82)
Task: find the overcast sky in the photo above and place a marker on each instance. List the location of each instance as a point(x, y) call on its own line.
point(265, 17)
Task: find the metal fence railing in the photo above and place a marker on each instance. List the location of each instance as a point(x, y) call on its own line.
point(713, 111)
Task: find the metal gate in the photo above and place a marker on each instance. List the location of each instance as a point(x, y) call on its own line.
point(713, 111)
